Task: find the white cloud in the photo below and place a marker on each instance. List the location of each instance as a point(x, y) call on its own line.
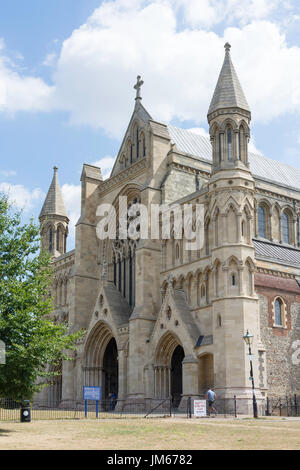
point(19, 92)
point(99, 62)
point(72, 199)
point(95, 71)
point(252, 147)
point(106, 164)
point(200, 131)
point(50, 60)
point(207, 13)
point(23, 197)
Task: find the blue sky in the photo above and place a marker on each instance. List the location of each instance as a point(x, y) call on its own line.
point(67, 68)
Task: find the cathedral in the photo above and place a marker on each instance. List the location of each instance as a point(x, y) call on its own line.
point(165, 322)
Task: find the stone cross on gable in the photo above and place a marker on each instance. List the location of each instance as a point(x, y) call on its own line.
point(137, 87)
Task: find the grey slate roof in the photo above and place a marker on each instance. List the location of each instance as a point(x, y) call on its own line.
point(54, 204)
point(274, 252)
point(199, 146)
point(228, 92)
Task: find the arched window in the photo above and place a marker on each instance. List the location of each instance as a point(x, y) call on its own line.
point(58, 239)
point(241, 142)
point(137, 143)
point(202, 291)
point(278, 312)
point(229, 144)
point(50, 240)
point(261, 222)
point(220, 148)
point(143, 140)
point(177, 251)
point(286, 228)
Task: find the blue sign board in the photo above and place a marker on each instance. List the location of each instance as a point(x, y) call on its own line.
point(92, 393)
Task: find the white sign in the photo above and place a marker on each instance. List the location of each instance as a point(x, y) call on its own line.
point(199, 408)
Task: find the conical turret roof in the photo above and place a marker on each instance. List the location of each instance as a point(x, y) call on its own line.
point(228, 92)
point(54, 203)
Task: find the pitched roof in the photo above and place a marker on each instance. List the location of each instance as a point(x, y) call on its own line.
point(54, 203)
point(228, 92)
point(271, 251)
point(199, 146)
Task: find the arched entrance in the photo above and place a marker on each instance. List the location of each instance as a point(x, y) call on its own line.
point(110, 371)
point(176, 375)
point(168, 369)
point(101, 363)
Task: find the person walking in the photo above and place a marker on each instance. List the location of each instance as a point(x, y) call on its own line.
point(211, 397)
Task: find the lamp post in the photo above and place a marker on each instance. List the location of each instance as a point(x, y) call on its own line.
point(248, 338)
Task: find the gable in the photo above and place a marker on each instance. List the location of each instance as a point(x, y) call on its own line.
point(136, 140)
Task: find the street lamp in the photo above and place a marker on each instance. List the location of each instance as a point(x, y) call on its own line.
point(248, 338)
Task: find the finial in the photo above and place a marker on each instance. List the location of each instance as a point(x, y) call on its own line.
point(137, 87)
point(55, 169)
point(227, 47)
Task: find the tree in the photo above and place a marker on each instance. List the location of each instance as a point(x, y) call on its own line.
point(32, 339)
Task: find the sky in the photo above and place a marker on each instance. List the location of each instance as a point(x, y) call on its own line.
point(68, 67)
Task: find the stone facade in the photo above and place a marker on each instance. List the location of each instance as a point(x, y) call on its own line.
point(163, 321)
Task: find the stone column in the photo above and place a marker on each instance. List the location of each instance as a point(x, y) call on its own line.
point(241, 280)
point(223, 235)
point(222, 146)
point(239, 227)
point(122, 366)
point(189, 380)
point(295, 231)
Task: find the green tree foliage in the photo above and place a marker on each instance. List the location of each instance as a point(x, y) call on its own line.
point(32, 339)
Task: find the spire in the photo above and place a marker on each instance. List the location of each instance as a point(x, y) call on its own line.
point(54, 204)
point(228, 92)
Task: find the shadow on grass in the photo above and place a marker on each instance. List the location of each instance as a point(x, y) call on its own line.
point(5, 432)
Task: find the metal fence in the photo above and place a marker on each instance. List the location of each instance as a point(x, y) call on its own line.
point(225, 408)
point(283, 406)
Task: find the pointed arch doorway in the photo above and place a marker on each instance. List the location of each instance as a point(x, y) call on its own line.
point(176, 375)
point(168, 369)
point(110, 371)
point(101, 363)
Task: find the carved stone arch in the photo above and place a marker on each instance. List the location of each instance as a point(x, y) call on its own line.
point(233, 258)
point(243, 126)
point(100, 338)
point(228, 122)
point(216, 212)
point(165, 347)
point(231, 204)
point(289, 210)
point(265, 202)
point(181, 282)
point(214, 129)
point(276, 207)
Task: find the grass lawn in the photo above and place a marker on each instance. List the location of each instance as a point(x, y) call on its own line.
point(153, 434)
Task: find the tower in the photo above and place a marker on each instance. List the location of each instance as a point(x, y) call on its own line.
point(54, 220)
point(230, 208)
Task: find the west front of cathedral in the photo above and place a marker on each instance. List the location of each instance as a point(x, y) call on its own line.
point(163, 321)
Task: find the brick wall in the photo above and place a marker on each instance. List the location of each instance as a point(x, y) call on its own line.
point(283, 376)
